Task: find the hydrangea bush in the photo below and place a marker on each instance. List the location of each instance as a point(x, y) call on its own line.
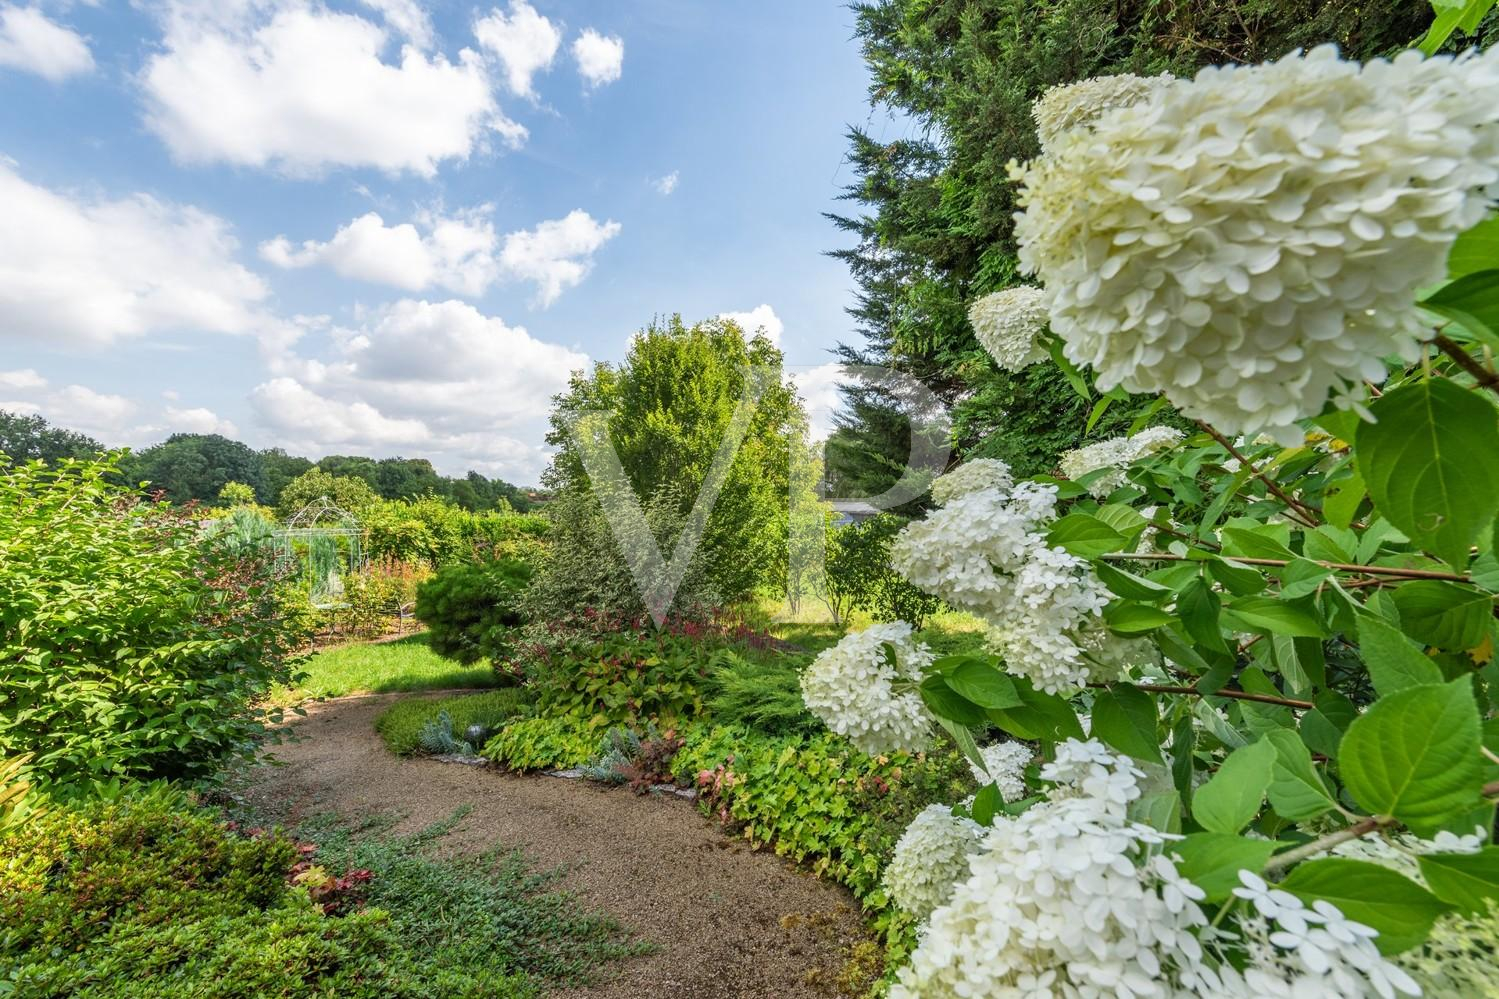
point(1258, 754)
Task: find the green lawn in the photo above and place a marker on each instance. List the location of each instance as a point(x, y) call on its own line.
point(388, 667)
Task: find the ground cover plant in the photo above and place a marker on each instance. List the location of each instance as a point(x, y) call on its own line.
point(150, 895)
point(402, 724)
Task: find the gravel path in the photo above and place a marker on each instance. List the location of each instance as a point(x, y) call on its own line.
point(728, 922)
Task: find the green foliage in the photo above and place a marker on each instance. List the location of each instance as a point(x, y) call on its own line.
point(345, 492)
point(401, 724)
point(472, 609)
point(133, 647)
point(633, 677)
point(437, 533)
point(544, 743)
point(859, 576)
point(27, 437)
point(376, 593)
point(585, 571)
point(236, 494)
point(149, 897)
point(818, 801)
point(196, 467)
point(472, 923)
point(759, 694)
point(669, 407)
point(1418, 464)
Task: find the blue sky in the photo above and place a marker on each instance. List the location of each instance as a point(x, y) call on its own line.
point(393, 227)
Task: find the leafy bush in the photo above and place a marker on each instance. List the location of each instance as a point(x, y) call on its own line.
point(759, 694)
point(434, 531)
point(149, 898)
point(586, 571)
point(859, 577)
point(133, 648)
point(543, 743)
point(376, 593)
point(472, 608)
point(401, 724)
point(630, 678)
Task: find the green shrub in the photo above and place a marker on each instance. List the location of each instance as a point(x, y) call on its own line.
point(376, 593)
point(544, 743)
point(763, 695)
point(471, 609)
point(133, 646)
point(149, 898)
point(401, 724)
point(631, 677)
point(859, 576)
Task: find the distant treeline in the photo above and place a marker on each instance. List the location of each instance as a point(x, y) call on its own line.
point(188, 467)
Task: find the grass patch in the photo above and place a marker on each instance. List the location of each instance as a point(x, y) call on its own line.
point(408, 664)
point(400, 725)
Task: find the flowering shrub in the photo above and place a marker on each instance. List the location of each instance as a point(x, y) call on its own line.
point(1287, 785)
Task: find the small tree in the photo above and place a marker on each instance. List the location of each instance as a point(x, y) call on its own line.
point(236, 494)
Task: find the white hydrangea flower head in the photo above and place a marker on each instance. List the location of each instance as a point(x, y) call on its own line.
point(1068, 899)
point(930, 859)
point(966, 551)
point(858, 692)
point(1009, 324)
point(1078, 105)
point(1116, 454)
point(1296, 950)
point(1051, 631)
point(1401, 851)
point(972, 476)
point(985, 552)
point(1004, 766)
point(1249, 241)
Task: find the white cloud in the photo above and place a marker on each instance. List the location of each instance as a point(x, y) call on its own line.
point(26, 378)
point(525, 43)
point(464, 388)
point(294, 86)
point(406, 17)
point(456, 253)
point(88, 270)
point(668, 184)
point(198, 421)
point(600, 58)
point(79, 408)
point(556, 255)
point(34, 44)
point(818, 387)
point(460, 253)
point(760, 319)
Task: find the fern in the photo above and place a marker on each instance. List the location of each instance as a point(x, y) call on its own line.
point(765, 696)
